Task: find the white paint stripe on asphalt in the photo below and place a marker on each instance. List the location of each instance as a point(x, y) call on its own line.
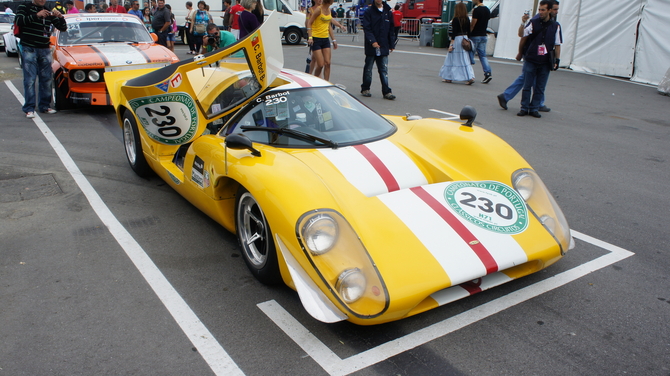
point(208, 347)
point(334, 365)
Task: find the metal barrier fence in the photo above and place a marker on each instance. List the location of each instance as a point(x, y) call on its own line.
point(409, 28)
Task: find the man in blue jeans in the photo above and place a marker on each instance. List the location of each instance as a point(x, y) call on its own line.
point(517, 85)
point(379, 42)
point(480, 21)
point(541, 36)
point(34, 22)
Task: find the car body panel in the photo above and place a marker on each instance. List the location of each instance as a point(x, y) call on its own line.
point(89, 45)
point(402, 199)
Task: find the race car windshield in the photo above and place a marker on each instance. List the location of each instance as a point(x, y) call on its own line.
point(328, 113)
point(91, 32)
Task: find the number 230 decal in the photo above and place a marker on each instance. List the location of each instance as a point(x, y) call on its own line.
point(169, 118)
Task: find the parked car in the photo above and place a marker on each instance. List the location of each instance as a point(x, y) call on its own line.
point(7, 33)
point(95, 44)
point(370, 218)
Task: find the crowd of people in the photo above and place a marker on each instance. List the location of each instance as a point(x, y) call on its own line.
point(539, 46)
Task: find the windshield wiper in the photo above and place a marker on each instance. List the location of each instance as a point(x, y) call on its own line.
point(292, 132)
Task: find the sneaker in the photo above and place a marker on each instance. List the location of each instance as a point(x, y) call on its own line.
point(502, 101)
point(30, 114)
point(49, 111)
point(535, 114)
point(389, 96)
point(366, 93)
point(544, 109)
point(487, 78)
point(522, 113)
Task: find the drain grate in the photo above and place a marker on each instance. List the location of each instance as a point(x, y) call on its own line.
point(28, 188)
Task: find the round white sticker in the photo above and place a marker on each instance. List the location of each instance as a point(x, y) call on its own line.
point(490, 205)
point(168, 118)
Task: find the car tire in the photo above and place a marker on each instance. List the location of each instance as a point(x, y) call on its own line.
point(292, 36)
point(133, 146)
point(60, 99)
point(255, 237)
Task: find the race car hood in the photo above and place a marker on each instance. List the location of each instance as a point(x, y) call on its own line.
point(115, 54)
point(419, 215)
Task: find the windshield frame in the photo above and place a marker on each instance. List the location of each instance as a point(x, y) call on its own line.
point(101, 25)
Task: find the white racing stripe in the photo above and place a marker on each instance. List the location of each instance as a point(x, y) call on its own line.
point(454, 293)
point(208, 347)
point(371, 176)
point(452, 252)
point(121, 54)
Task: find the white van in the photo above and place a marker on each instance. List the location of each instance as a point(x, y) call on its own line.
point(291, 22)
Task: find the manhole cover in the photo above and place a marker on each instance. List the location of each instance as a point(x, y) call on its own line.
point(28, 188)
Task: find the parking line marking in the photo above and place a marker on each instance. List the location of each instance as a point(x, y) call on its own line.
point(451, 116)
point(208, 347)
point(334, 365)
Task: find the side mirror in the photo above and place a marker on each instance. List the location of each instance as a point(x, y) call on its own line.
point(154, 37)
point(468, 113)
point(239, 141)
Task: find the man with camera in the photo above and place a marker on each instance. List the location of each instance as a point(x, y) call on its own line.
point(34, 22)
point(216, 38)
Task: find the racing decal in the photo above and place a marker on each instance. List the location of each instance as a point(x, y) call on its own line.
point(163, 86)
point(490, 205)
point(120, 54)
point(170, 119)
point(198, 173)
point(297, 79)
point(173, 178)
point(466, 289)
point(464, 250)
point(176, 81)
point(376, 168)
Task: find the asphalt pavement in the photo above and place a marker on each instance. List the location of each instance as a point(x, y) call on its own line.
point(74, 300)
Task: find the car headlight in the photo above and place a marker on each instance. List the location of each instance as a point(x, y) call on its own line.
point(93, 76)
point(542, 204)
point(341, 261)
point(79, 76)
point(351, 285)
point(320, 234)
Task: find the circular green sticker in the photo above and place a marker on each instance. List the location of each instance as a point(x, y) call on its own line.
point(171, 119)
point(490, 205)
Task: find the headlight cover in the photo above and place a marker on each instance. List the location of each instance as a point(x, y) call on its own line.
point(542, 204)
point(79, 75)
point(340, 259)
point(93, 76)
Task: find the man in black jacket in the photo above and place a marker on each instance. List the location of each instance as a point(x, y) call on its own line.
point(34, 22)
point(379, 42)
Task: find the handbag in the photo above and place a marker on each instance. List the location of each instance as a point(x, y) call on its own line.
point(200, 28)
point(466, 44)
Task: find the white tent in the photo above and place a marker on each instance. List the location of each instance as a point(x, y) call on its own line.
point(625, 38)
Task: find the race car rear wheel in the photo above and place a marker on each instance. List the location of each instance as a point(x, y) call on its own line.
point(133, 146)
point(255, 237)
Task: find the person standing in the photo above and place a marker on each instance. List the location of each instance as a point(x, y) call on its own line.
point(146, 16)
point(247, 21)
point(457, 65)
point(226, 14)
point(542, 35)
point(379, 43)
point(190, 16)
point(135, 10)
point(199, 26)
point(320, 36)
point(480, 22)
point(35, 22)
point(161, 21)
point(59, 7)
point(71, 9)
point(259, 12)
point(397, 19)
point(516, 86)
point(114, 7)
point(235, 12)
point(90, 8)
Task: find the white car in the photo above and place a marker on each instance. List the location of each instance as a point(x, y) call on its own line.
point(6, 25)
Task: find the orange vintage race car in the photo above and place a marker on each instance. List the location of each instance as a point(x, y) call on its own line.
point(97, 43)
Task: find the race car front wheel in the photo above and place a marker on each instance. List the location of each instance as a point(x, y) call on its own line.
point(253, 232)
point(133, 146)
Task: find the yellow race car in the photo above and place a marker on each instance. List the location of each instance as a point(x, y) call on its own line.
point(369, 218)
